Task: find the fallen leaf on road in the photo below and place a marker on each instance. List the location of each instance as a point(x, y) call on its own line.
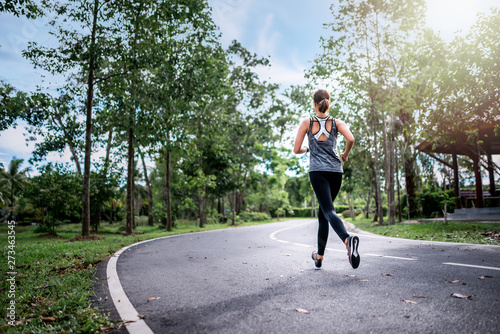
point(457, 295)
point(301, 310)
point(485, 276)
point(153, 298)
point(141, 316)
point(455, 281)
point(409, 301)
point(350, 275)
point(362, 280)
point(387, 275)
point(301, 271)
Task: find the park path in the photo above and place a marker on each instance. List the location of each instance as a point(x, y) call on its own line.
point(261, 279)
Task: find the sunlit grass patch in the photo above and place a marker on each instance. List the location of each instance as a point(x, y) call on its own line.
point(464, 232)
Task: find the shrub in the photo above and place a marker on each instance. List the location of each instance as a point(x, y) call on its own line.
point(433, 199)
point(347, 213)
point(301, 212)
point(254, 216)
point(42, 229)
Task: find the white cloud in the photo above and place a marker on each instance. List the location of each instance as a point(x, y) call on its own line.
point(282, 73)
point(450, 16)
point(230, 16)
point(267, 38)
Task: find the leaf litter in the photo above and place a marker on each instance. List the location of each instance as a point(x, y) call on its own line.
point(458, 295)
point(409, 301)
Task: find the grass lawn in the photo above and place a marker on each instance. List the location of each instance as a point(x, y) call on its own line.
point(54, 278)
point(466, 232)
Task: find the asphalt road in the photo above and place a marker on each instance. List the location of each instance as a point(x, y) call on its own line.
point(261, 279)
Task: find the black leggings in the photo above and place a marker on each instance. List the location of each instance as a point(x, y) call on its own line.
point(326, 186)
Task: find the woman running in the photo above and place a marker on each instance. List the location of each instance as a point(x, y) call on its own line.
point(325, 172)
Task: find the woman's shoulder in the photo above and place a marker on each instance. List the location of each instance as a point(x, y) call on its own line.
point(306, 121)
point(338, 122)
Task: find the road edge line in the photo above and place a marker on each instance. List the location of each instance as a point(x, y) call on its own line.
point(127, 312)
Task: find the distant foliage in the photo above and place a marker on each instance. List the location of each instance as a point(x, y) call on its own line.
point(254, 216)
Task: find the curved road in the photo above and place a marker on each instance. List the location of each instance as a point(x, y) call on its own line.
point(261, 279)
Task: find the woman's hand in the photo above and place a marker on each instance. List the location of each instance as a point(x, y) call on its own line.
point(344, 157)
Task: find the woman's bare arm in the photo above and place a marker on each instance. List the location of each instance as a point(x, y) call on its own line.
point(301, 133)
point(344, 130)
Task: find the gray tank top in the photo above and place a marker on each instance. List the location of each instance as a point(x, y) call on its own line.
point(323, 154)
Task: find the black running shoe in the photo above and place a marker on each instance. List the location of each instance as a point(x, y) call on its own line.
point(352, 251)
point(317, 262)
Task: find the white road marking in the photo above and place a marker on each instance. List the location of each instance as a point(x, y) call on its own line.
point(392, 257)
point(273, 237)
point(122, 303)
point(470, 265)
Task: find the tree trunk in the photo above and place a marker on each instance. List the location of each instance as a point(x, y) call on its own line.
point(88, 128)
point(479, 184)
point(391, 194)
point(70, 143)
point(235, 203)
point(378, 193)
point(313, 206)
point(202, 198)
point(150, 192)
point(167, 203)
point(398, 184)
point(350, 201)
point(108, 150)
point(368, 200)
point(390, 180)
point(223, 208)
point(410, 180)
point(130, 181)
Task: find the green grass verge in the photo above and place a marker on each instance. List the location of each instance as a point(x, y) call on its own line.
point(55, 278)
point(464, 232)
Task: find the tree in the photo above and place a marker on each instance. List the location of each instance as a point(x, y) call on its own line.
point(359, 59)
point(27, 8)
point(80, 51)
point(14, 179)
point(58, 125)
point(56, 193)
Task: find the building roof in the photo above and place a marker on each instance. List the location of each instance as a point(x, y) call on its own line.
point(488, 138)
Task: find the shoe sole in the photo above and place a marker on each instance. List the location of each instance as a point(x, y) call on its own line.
point(354, 257)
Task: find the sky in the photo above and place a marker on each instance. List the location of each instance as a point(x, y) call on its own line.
point(286, 30)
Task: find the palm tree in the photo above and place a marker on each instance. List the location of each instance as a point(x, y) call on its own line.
point(14, 178)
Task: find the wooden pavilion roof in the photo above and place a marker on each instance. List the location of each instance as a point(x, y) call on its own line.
point(490, 143)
